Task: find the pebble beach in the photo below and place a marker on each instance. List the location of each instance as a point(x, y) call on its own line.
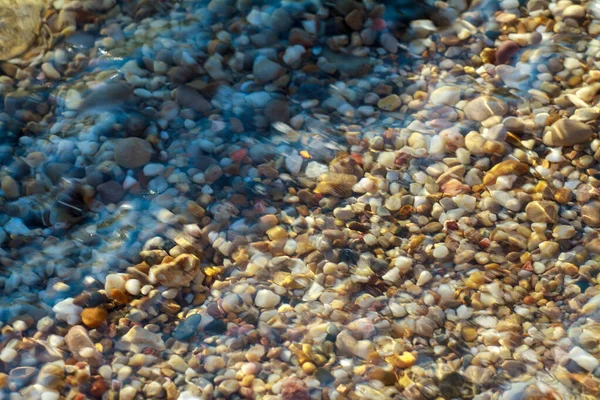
point(295, 200)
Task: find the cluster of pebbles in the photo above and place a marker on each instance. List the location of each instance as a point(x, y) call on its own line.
point(303, 200)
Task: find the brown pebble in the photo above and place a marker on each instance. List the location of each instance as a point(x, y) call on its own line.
point(94, 317)
point(590, 214)
point(506, 51)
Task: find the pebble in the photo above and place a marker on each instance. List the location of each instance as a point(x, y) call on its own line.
point(389, 103)
point(542, 211)
point(484, 107)
point(10, 187)
point(590, 214)
point(567, 132)
point(177, 273)
point(265, 70)
point(132, 152)
point(445, 95)
point(81, 346)
point(139, 338)
point(266, 299)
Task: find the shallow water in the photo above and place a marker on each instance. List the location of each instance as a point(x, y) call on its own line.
point(206, 200)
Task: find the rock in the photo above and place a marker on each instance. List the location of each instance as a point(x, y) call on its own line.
point(483, 107)
point(300, 36)
point(73, 99)
point(81, 346)
point(567, 132)
point(542, 211)
point(445, 95)
point(590, 214)
point(138, 338)
point(188, 97)
point(265, 70)
point(293, 54)
point(187, 328)
point(389, 103)
point(506, 51)
point(355, 19)
point(153, 169)
point(132, 152)
point(280, 20)
point(584, 359)
point(574, 11)
point(16, 226)
point(10, 187)
point(293, 388)
point(266, 299)
point(110, 192)
point(50, 71)
point(389, 42)
point(94, 317)
point(277, 110)
point(177, 273)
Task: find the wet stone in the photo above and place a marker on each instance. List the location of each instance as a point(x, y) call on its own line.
point(542, 211)
point(484, 107)
point(567, 132)
point(132, 152)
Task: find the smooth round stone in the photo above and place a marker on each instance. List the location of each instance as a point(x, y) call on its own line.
point(266, 299)
point(153, 169)
point(446, 95)
point(567, 132)
point(441, 252)
point(10, 187)
point(483, 107)
point(265, 70)
point(132, 152)
point(574, 11)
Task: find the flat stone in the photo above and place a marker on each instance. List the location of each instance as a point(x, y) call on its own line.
point(483, 107)
point(567, 132)
point(132, 152)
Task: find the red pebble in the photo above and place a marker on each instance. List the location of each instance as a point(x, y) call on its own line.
point(238, 155)
point(294, 389)
point(378, 24)
point(98, 388)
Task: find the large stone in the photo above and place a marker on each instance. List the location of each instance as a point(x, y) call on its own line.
point(188, 97)
point(567, 132)
point(542, 211)
point(132, 152)
point(483, 107)
point(81, 346)
point(138, 338)
point(176, 273)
